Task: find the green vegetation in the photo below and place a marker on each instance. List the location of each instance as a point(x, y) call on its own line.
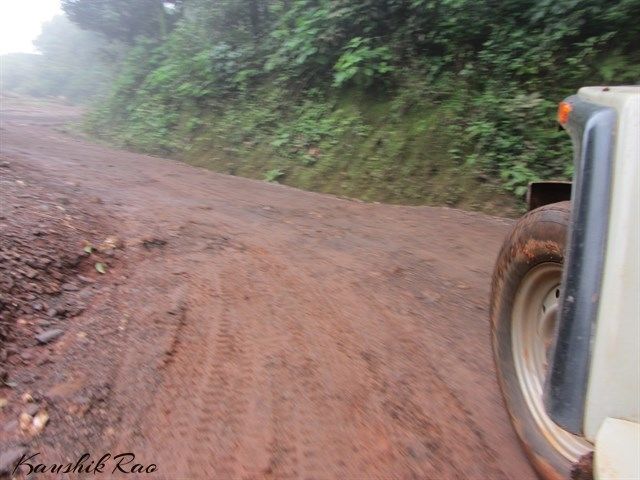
point(414, 101)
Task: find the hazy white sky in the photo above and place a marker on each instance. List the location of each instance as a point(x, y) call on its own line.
point(21, 21)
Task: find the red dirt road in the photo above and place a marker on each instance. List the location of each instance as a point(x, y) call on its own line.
point(251, 330)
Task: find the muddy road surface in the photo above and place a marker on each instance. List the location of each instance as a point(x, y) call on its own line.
point(244, 329)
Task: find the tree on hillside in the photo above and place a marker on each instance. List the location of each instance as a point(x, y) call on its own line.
point(232, 21)
point(124, 20)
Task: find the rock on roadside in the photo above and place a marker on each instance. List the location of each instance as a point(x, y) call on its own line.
point(49, 335)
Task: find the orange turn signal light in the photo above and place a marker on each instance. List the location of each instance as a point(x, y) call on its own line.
point(564, 109)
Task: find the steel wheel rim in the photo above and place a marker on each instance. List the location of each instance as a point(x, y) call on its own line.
point(533, 327)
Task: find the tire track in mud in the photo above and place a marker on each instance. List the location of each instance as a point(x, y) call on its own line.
point(430, 419)
point(317, 347)
point(173, 415)
point(283, 446)
point(246, 310)
point(222, 399)
point(292, 382)
point(419, 432)
point(248, 339)
point(232, 350)
point(203, 400)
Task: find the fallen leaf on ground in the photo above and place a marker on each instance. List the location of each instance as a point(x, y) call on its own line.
point(101, 268)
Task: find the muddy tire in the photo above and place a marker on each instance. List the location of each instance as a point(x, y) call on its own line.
point(525, 290)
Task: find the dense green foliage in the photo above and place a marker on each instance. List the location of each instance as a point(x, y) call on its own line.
point(73, 64)
point(439, 101)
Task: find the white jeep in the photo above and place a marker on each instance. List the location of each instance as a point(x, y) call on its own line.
point(565, 300)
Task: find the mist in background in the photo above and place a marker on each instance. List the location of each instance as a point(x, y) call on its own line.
point(43, 54)
point(21, 23)
point(71, 64)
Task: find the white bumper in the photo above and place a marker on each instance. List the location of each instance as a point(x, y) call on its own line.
point(617, 453)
